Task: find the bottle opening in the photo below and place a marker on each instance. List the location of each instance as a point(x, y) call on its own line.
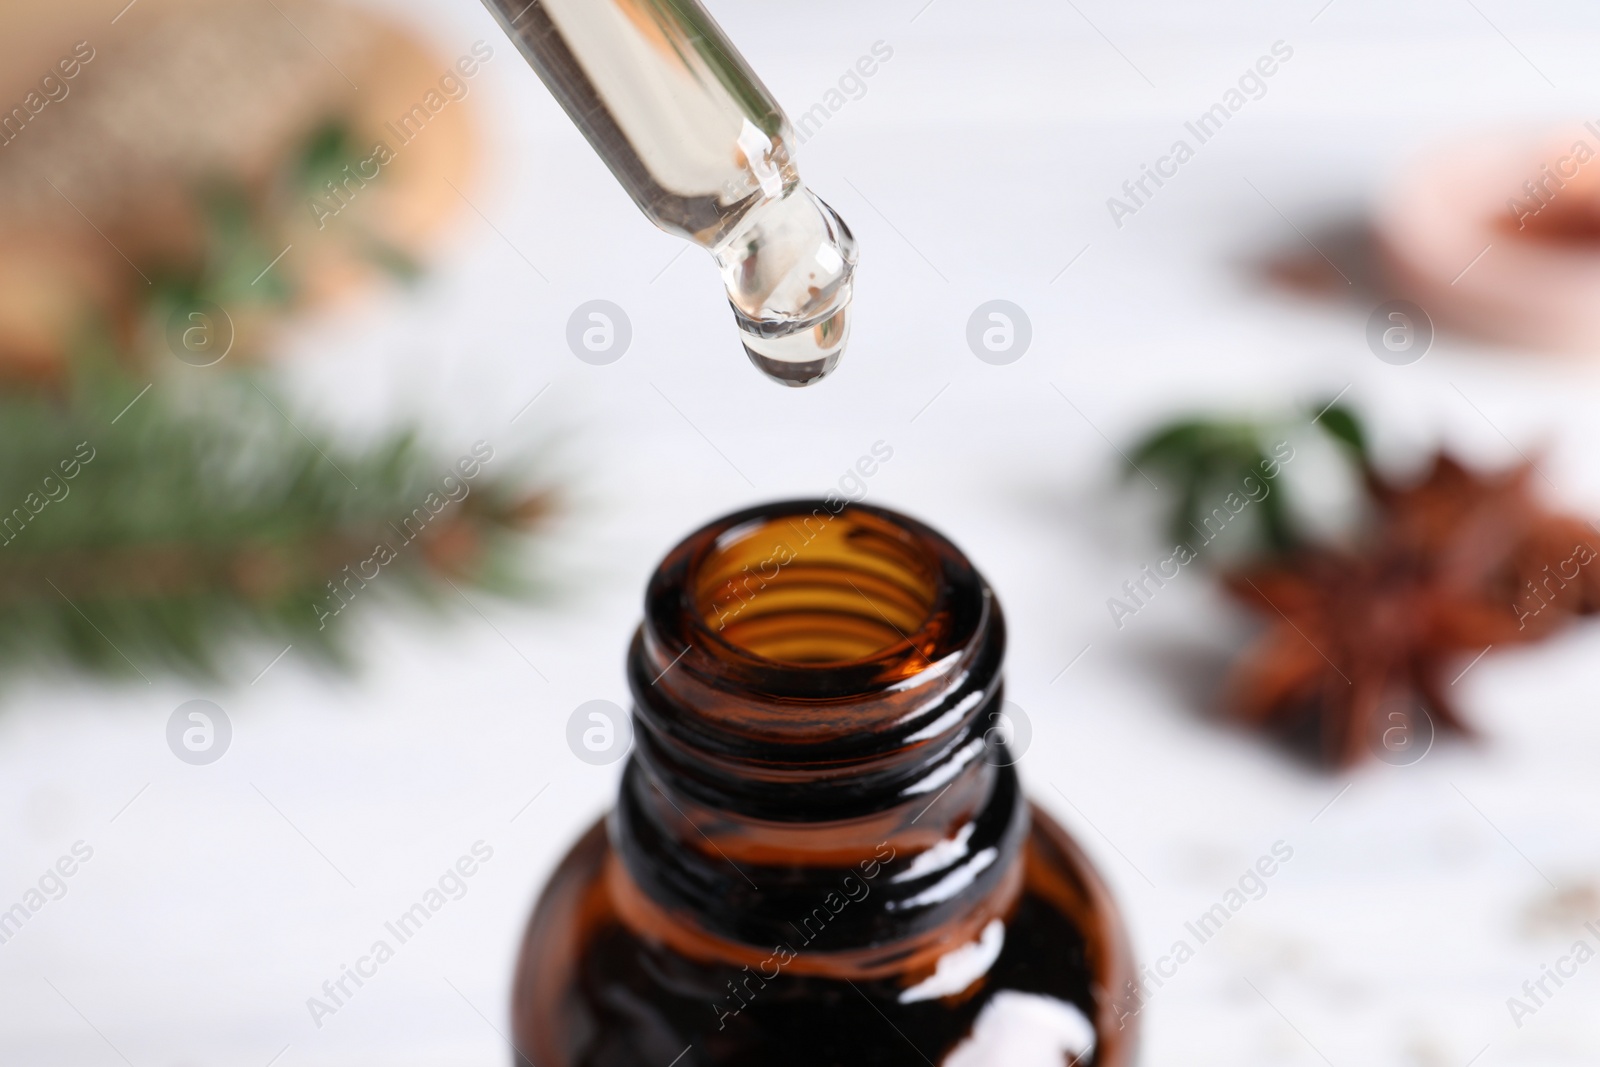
point(818, 589)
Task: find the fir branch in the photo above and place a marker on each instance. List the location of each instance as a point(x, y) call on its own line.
point(152, 529)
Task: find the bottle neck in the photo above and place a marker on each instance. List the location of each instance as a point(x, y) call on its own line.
point(813, 767)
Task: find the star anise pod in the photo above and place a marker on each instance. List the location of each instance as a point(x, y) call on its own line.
point(1360, 643)
point(1490, 531)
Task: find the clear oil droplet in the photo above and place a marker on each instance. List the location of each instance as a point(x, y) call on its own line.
point(789, 271)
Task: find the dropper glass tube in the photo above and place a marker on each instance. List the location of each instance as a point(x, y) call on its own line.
point(704, 150)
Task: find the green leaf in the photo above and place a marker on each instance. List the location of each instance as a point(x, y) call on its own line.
point(1205, 459)
point(1344, 426)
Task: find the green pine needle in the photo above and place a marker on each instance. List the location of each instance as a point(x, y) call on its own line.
point(150, 529)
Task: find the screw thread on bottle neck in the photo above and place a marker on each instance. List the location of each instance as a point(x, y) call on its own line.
point(810, 683)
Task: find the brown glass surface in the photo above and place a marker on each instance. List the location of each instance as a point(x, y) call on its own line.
point(591, 992)
point(817, 815)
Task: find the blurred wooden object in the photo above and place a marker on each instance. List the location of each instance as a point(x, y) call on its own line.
point(100, 191)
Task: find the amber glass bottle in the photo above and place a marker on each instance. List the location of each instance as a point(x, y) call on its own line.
point(820, 855)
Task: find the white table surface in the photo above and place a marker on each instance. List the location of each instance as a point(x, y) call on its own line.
point(976, 166)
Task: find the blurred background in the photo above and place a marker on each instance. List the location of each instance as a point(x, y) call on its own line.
point(359, 349)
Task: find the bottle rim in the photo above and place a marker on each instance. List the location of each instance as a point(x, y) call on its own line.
point(905, 579)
